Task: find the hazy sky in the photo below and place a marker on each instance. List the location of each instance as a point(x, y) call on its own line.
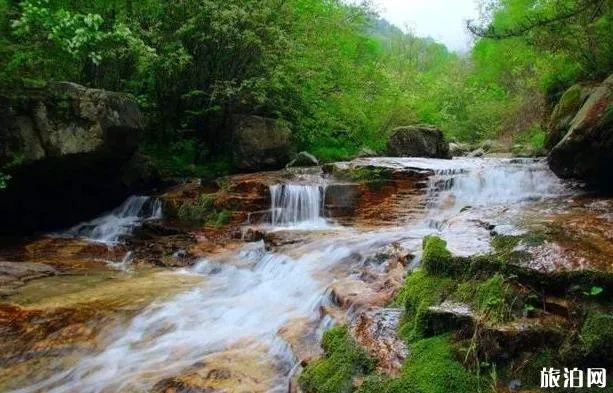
point(443, 20)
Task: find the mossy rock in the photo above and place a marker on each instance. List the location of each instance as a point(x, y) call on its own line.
point(566, 109)
point(432, 367)
point(359, 173)
point(343, 361)
point(597, 336)
point(419, 292)
point(436, 258)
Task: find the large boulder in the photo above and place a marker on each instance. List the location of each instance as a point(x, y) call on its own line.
point(260, 144)
point(571, 101)
point(64, 146)
point(418, 141)
point(586, 151)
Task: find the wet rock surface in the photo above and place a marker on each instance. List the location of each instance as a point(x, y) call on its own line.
point(15, 274)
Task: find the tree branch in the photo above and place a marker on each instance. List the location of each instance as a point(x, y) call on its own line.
point(532, 23)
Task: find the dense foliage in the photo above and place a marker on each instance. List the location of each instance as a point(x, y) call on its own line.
point(340, 77)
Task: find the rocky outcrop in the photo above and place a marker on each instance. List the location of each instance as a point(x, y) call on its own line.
point(260, 144)
point(418, 141)
point(64, 147)
point(66, 119)
point(586, 150)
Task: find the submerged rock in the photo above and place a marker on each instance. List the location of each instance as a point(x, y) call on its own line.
point(260, 144)
point(586, 150)
point(65, 147)
point(418, 141)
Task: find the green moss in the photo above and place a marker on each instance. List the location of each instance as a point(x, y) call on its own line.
point(343, 360)
point(419, 292)
point(436, 258)
point(198, 211)
point(597, 335)
point(378, 384)
point(569, 104)
point(203, 211)
point(432, 368)
point(219, 218)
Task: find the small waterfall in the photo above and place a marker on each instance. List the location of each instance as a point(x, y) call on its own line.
point(500, 183)
point(297, 205)
point(111, 227)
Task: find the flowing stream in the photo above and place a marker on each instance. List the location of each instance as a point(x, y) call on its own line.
point(111, 227)
point(248, 297)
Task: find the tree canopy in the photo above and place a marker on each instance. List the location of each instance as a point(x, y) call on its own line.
point(341, 77)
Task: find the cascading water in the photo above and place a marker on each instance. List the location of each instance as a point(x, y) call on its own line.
point(111, 227)
point(297, 205)
point(248, 297)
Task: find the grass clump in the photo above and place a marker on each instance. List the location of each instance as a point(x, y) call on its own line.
point(343, 360)
point(495, 299)
point(203, 210)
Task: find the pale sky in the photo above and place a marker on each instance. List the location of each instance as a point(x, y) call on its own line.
point(443, 20)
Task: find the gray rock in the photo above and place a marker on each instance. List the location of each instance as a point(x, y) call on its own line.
point(366, 153)
point(476, 153)
point(304, 159)
point(64, 119)
point(586, 151)
point(459, 149)
point(260, 144)
point(418, 141)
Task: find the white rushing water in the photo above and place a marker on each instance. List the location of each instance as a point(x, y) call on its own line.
point(249, 296)
point(110, 227)
point(298, 205)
